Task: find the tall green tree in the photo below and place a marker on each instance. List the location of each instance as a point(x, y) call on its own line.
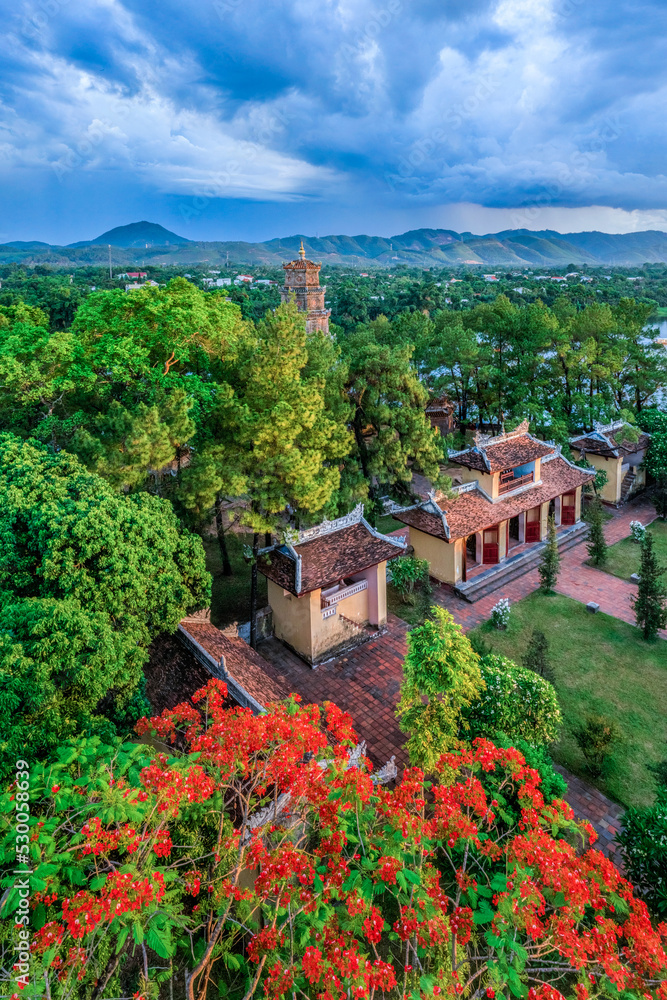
point(441, 677)
point(650, 604)
point(550, 560)
point(392, 435)
point(88, 578)
point(597, 543)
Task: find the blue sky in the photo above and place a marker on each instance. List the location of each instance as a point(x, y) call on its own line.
point(240, 119)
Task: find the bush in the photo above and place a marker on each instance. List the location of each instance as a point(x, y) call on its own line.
point(500, 613)
point(516, 702)
point(595, 740)
point(643, 841)
point(553, 785)
point(408, 573)
point(637, 530)
point(536, 657)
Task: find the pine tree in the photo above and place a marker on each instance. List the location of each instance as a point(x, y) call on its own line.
point(550, 562)
point(536, 657)
point(597, 543)
point(650, 603)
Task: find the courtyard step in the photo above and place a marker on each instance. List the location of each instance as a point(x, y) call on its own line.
point(626, 485)
point(496, 576)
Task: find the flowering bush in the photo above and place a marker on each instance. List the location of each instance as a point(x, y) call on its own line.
point(637, 530)
point(408, 573)
point(260, 858)
point(517, 702)
point(500, 613)
point(643, 841)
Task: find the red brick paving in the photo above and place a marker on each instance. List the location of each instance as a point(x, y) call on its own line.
point(576, 580)
point(603, 814)
point(366, 681)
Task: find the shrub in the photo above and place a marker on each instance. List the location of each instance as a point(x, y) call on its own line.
point(516, 702)
point(536, 657)
point(500, 613)
point(595, 740)
point(408, 573)
point(643, 841)
point(597, 543)
point(637, 530)
point(474, 865)
point(553, 784)
point(550, 561)
point(650, 605)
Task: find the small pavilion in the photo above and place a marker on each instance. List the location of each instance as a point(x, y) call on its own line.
point(608, 447)
point(511, 483)
point(327, 587)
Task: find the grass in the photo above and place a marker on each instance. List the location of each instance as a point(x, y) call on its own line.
point(624, 557)
point(413, 614)
point(387, 524)
point(603, 666)
point(230, 598)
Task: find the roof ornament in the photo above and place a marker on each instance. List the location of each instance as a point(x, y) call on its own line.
point(431, 505)
point(302, 252)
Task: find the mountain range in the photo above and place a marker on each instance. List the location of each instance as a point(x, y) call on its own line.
point(150, 243)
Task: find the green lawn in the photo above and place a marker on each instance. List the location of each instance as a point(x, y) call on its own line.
point(602, 665)
point(230, 600)
point(623, 557)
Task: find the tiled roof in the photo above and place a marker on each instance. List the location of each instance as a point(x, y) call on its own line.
point(241, 663)
point(472, 511)
point(505, 453)
point(327, 558)
point(610, 444)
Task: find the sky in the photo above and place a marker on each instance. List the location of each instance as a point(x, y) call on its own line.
point(240, 119)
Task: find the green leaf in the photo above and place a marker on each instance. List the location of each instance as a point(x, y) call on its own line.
point(97, 883)
point(411, 876)
point(483, 916)
point(137, 933)
point(122, 938)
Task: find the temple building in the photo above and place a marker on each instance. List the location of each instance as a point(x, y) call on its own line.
point(494, 525)
point(328, 588)
point(607, 447)
point(302, 279)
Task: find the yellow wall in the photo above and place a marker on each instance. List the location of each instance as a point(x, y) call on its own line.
point(502, 540)
point(444, 558)
point(544, 520)
point(292, 617)
point(487, 480)
point(577, 503)
point(612, 466)
point(298, 621)
point(354, 607)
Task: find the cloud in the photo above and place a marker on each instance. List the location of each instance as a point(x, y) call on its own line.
point(394, 106)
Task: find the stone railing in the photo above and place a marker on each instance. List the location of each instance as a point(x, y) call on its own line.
point(340, 595)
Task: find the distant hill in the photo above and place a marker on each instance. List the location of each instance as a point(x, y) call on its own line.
point(150, 243)
point(137, 234)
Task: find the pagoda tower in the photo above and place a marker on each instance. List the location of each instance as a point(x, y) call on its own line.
point(302, 279)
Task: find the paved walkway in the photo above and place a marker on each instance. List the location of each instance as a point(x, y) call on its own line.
point(364, 682)
point(603, 814)
point(576, 580)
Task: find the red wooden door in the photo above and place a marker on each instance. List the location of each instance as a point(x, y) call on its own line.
point(490, 553)
point(533, 531)
point(567, 508)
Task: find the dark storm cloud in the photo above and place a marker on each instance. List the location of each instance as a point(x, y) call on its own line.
point(393, 105)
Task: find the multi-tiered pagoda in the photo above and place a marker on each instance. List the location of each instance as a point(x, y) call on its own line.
point(302, 279)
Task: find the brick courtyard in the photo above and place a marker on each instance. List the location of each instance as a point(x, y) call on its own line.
point(366, 681)
point(576, 580)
